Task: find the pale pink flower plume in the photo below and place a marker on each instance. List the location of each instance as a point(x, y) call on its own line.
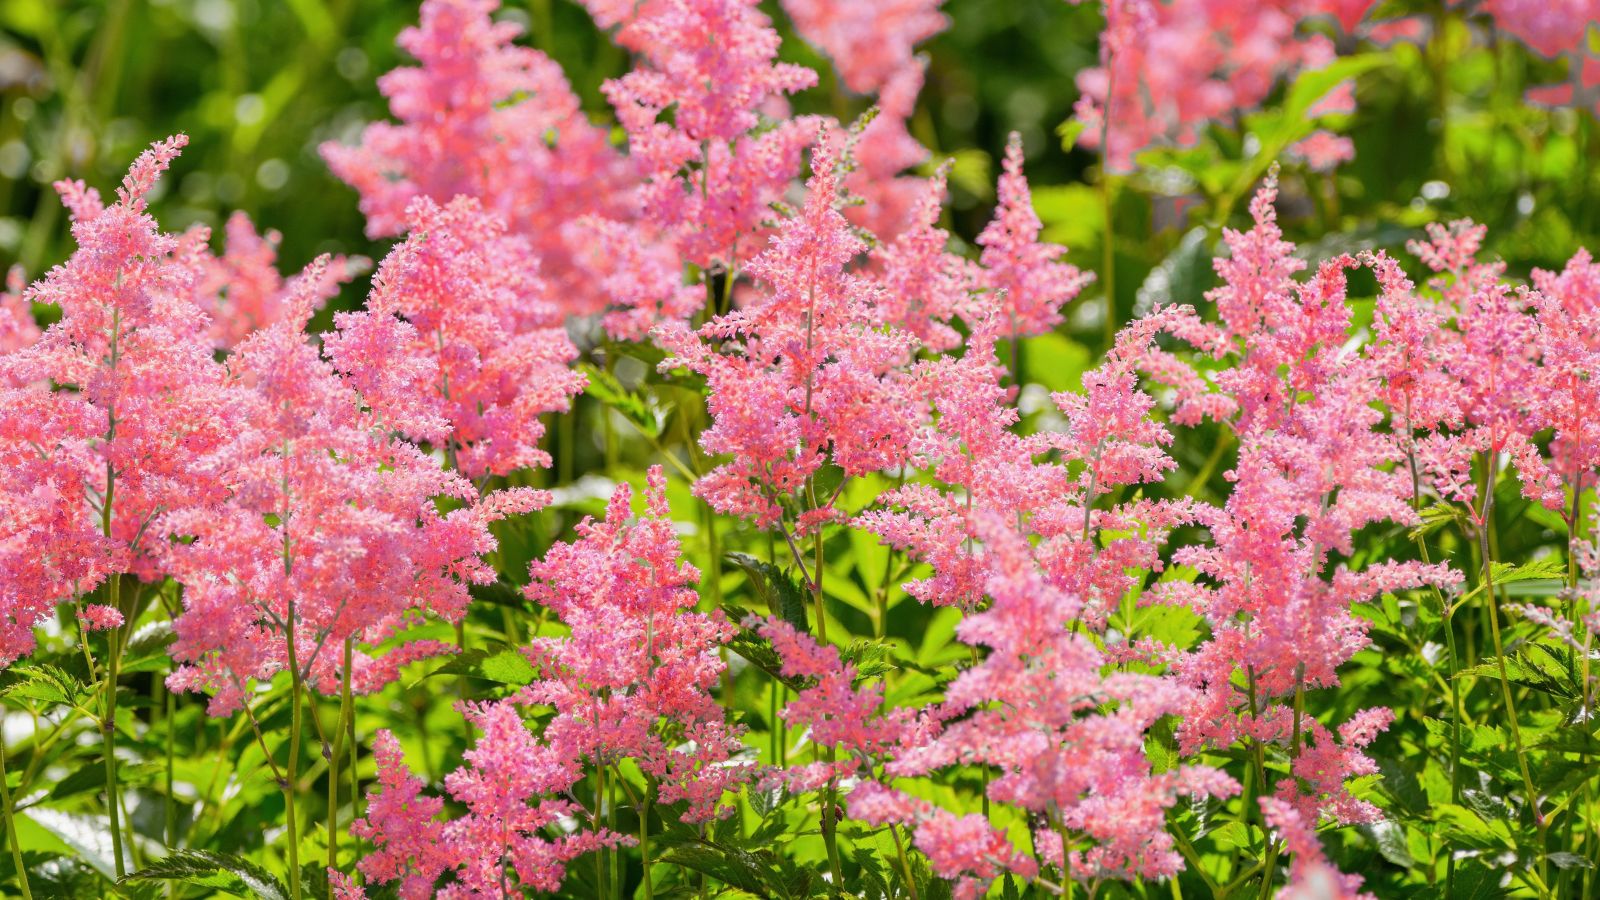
point(1168, 69)
point(85, 470)
point(1324, 151)
point(1548, 27)
point(1311, 876)
point(1030, 281)
point(709, 178)
point(485, 117)
point(243, 291)
point(635, 677)
point(868, 42)
point(327, 531)
point(460, 346)
point(17, 328)
point(805, 375)
point(99, 617)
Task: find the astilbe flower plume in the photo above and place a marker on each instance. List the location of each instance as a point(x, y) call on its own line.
point(709, 175)
point(1549, 27)
point(1035, 281)
point(484, 117)
point(328, 531)
point(1567, 316)
point(631, 680)
point(869, 42)
point(460, 346)
point(884, 197)
point(982, 468)
point(1315, 465)
point(84, 471)
point(806, 375)
point(1065, 741)
point(515, 792)
point(634, 677)
point(17, 327)
point(1167, 69)
point(243, 291)
point(925, 287)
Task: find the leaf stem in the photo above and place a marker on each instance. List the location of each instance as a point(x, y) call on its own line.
point(11, 826)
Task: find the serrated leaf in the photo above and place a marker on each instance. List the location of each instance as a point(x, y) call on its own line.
point(1390, 838)
point(45, 683)
point(189, 865)
point(775, 587)
point(604, 387)
point(500, 664)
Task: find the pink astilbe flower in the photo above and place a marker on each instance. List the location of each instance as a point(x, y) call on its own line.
point(243, 291)
point(459, 346)
point(484, 117)
point(1311, 876)
point(1168, 69)
point(709, 177)
point(1066, 740)
point(1035, 283)
point(84, 471)
point(99, 617)
point(1324, 151)
point(1410, 345)
point(1568, 320)
point(17, 328)
point(869, 42)
point(925, 286)
point(886, 198)
point(402, 825)
point(804, 376)
point(970, 447)
point(328, 531)
point(515, 791)
point(1452, 252)
point(1314, 467)
point(1549, 27)
point(634, 678)
point(838, 712)
point(643, 280)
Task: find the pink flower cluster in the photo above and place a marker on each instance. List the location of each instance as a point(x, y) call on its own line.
point(1168, 69)
point(632, 680)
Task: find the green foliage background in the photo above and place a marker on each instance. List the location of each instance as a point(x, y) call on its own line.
point(1442, 132)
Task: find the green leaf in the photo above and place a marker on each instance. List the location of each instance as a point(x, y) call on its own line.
point(1390, 839)
point(636, 408)
point(736, 868)
point(1569, 861)
point(1181, 277)
point(205, 867)
point(45, 683)
point(776, 588)
point(88, 836)
point(499, 664)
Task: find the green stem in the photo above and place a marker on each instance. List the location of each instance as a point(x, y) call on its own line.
point(170, 711)
point(291, 785)
point(338, 754)
point(1269, 851)
point(644, 846)
point(905, 864)
point(108, 731)
point(1485, 547)
point(11, 826)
